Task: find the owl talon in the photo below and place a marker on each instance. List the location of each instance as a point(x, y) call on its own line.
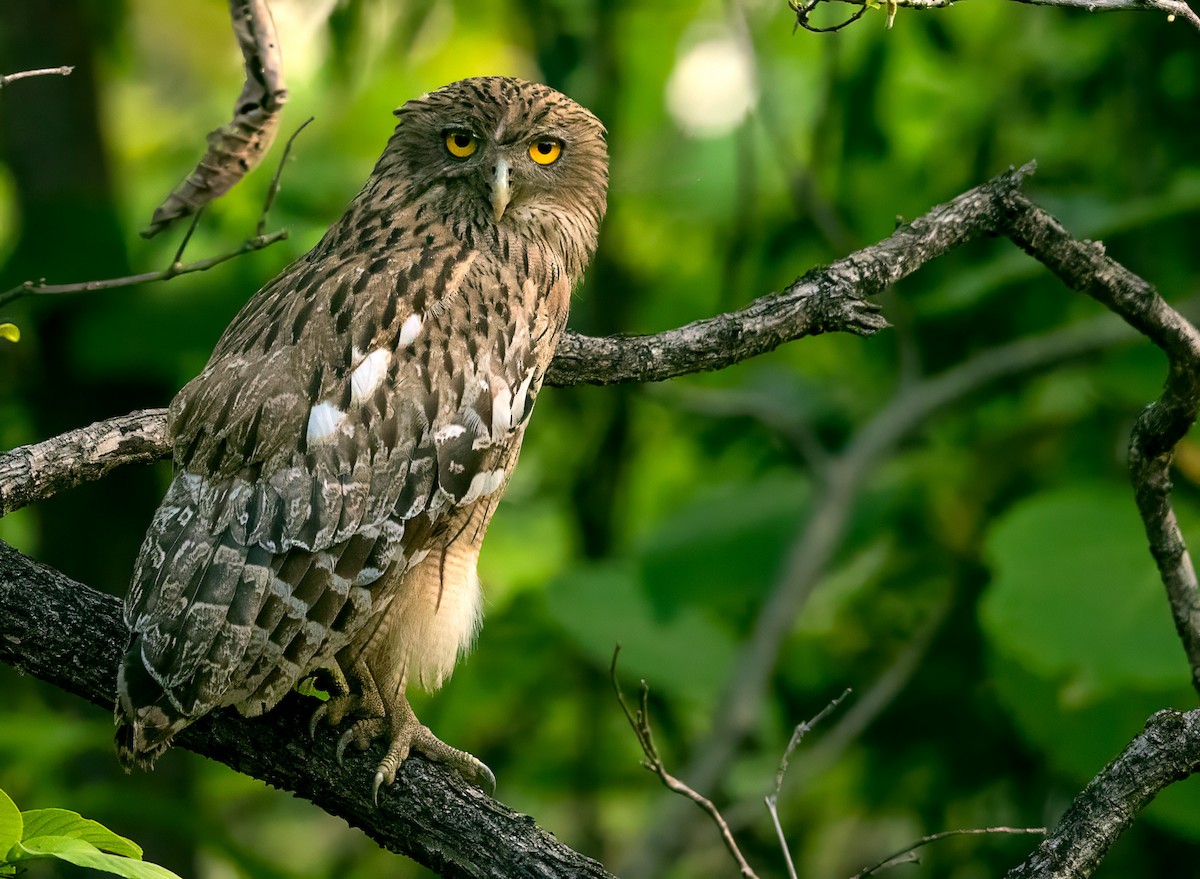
point(315, 721)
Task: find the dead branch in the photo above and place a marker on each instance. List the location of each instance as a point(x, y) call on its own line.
point(65, 70)
point(41, 288)
point(235, 149)
point(640, 724)
point(258, 241)
point(1084, 266)
point(772, 799)
point(803, 9)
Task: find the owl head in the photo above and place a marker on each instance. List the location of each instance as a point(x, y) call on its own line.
point(503, 152)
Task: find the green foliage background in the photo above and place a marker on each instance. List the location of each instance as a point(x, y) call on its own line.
point(996, 550)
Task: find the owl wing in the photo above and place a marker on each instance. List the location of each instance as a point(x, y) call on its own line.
point(319, 448)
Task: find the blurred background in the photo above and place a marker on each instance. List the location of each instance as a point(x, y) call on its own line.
point(978, 577)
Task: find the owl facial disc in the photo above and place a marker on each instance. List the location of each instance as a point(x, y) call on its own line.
point(501, 189)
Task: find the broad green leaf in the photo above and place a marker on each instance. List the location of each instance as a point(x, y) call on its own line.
point(1076, 593)
point(61, 822)
point(84, 854)
point(10, 823)
point(10, 332)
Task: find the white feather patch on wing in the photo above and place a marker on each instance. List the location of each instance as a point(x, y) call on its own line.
point(482, 484)
point(368, 375)
point(324, 420)
point(409, 329)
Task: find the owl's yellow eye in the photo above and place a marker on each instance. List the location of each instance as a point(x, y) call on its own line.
point(545, 152)
point(461, 143)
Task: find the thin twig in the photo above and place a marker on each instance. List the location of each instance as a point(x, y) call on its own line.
point(187, 237)
point(1170, 8)
point(273, 189)
point(41, 288)
point(65, 70)
point(640, 724)
point(799, 733)
point(905, 854)
point(772, 799)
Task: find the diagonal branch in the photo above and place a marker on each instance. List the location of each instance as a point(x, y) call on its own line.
point(1166, 751)
point(823, 300)
point(71, 636)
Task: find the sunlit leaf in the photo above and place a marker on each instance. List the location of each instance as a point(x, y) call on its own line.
point(11, 823)
point(61, 822)
point(84, 854)
point(10, 332)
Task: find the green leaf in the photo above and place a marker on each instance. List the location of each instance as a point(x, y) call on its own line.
point(84, 854)
point(61, 822)
point(11, 824)
point(1077, 594)
point(10, 332)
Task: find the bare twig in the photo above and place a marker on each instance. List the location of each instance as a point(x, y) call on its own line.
point(235, 149)
point(273, 189)
point(640, 724)
point(905, 854)
point(772, 799)
point(1170, 8)
point(65, 70)
point(41, 288)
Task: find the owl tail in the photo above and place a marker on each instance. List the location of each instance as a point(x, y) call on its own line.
point(146, 719)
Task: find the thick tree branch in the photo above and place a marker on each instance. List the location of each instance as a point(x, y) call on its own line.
point(31, 473)
point(1167, 751)
point(823, 300)
point(73, 637)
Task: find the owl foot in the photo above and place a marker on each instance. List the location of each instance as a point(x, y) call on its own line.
point(407, 735)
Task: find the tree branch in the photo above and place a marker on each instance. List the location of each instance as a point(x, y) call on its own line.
point(1084, 266)
point(823, 300)
point(65, 70)
point(1169, 8)
point(72, 636)
point(1167, 751)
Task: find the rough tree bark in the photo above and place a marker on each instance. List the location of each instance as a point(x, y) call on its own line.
point(71, 636)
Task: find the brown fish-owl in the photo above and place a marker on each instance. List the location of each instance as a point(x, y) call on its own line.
point(340, 456)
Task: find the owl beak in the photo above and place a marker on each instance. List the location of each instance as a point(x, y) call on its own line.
point(501, 189)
